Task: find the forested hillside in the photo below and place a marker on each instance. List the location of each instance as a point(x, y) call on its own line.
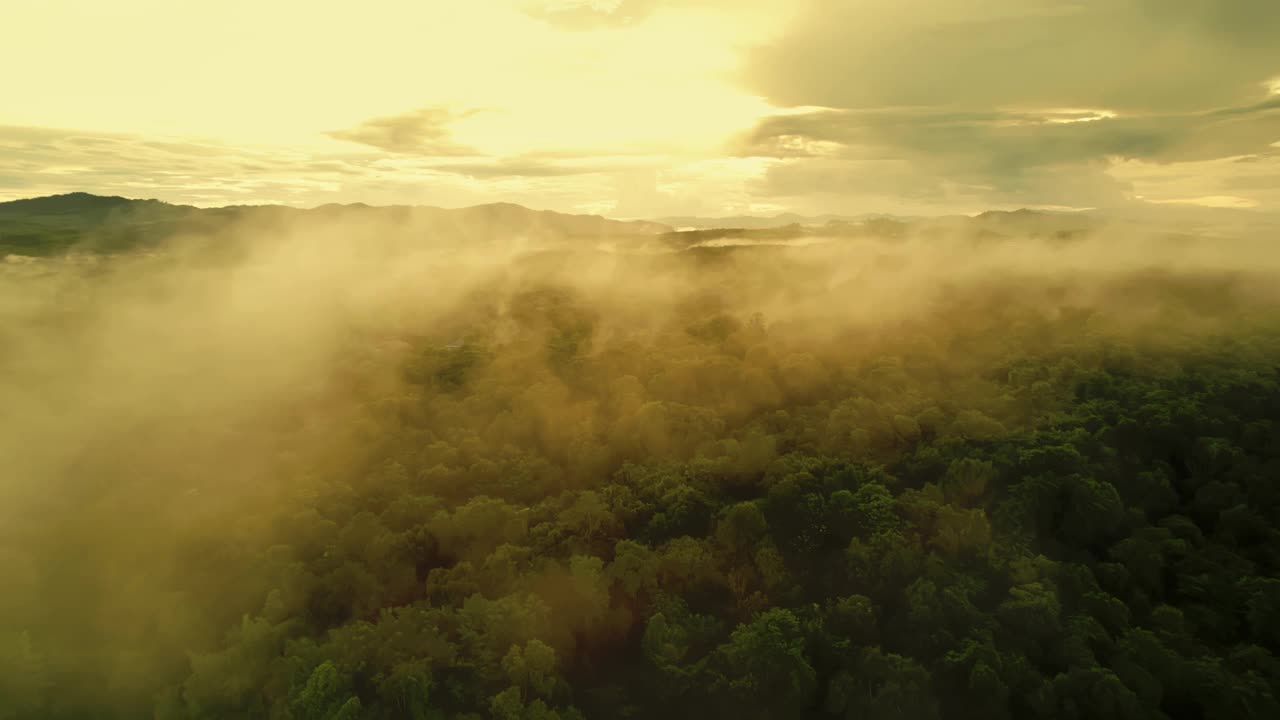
point(882, 477)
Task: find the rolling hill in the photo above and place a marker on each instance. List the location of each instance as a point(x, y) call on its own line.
point(92, 223)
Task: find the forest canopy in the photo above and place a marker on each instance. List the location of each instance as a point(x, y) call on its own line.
point(329, 470)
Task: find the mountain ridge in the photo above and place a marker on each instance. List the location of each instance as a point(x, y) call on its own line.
point(87, 200)
point(110, 223)
point(53, 224)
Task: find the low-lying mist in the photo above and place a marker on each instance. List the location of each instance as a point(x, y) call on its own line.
point(172, 421)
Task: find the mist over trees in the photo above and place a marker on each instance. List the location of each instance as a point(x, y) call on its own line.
point(338, 469)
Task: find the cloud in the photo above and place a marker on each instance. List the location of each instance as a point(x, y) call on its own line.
point(1011, 139)
point(1212, 201)
point(1001, 157)
point(173, 169)
point(1126, 55)
point(420, 132)
point(44, 161)
point(1252, 179)
point(930, 185)
point(998, 101)
point(583, 15)
point(517, 167)
point(590, 14)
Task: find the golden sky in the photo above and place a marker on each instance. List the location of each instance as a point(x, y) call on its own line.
point(647, 107)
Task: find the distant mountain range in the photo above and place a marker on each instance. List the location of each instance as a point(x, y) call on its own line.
point(57, 223)
point(993, 225)
point(1141, 212)
point(759, 222)
point(53, 224)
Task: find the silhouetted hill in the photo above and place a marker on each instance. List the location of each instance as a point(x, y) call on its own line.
point(82, 221)
point(94, 223)
point(61, 204)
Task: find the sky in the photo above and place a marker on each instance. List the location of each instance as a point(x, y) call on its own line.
point(647, 108)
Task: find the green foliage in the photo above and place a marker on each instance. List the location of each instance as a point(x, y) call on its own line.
point(1003, 517)
point(325, 696)
point(763, 670)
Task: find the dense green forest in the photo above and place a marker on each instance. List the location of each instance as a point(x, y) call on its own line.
point(886, 479)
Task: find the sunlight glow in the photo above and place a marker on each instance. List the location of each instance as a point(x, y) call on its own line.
point(1213, 201)
point(1067, 116)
